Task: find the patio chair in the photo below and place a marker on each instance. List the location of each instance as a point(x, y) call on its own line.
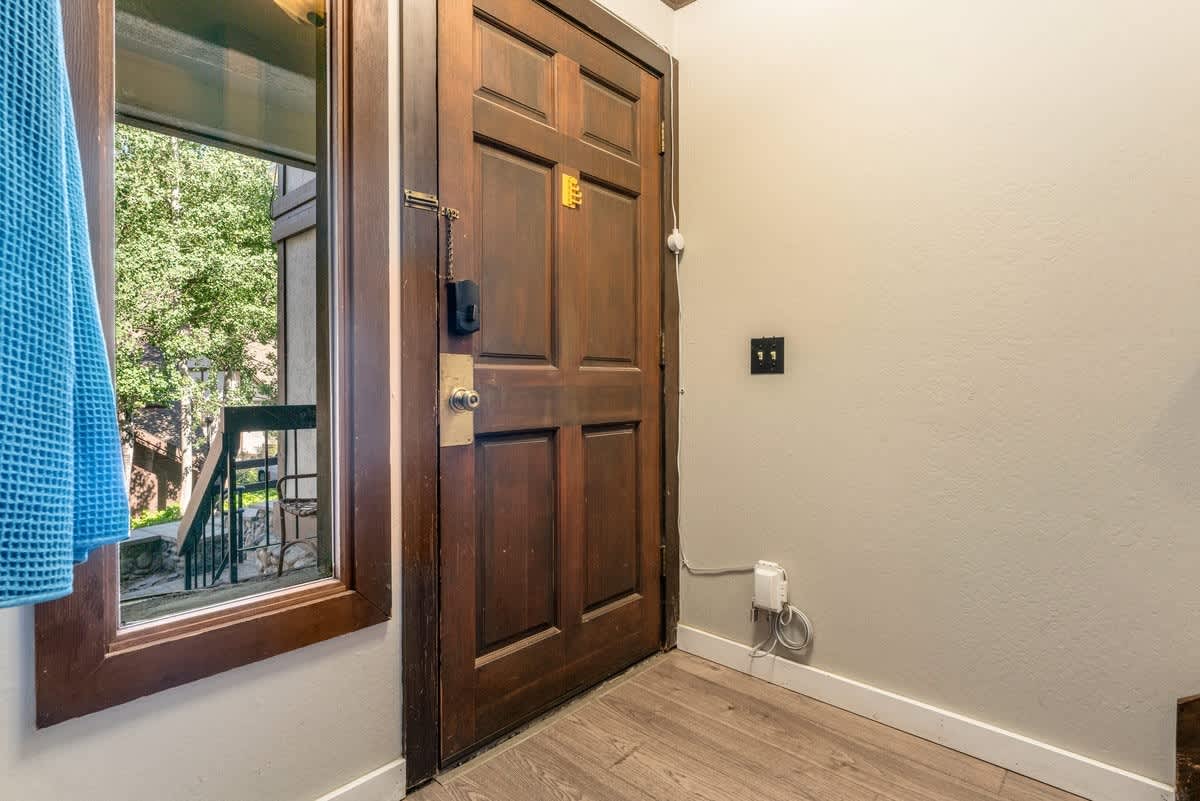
point(295, 508)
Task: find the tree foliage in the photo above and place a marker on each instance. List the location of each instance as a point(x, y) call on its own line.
point(196, 274)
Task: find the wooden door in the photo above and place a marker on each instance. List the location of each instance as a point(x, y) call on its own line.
point(551, 520)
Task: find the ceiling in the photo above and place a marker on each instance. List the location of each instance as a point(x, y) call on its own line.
point(258, 28)
point(234, 73)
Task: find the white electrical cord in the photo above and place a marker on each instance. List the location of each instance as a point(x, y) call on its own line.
point(672, 155)
point(687, 565)
point(675, 239)
point(779, 623)
point(784, 619)
point(712, 571)
point(675, 242)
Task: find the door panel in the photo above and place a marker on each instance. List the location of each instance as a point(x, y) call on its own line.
point(611, 531)
point(551, 520)
point(609, 119)
point(513, 73)
point(516, 548)
point(610, 278)
point(516, 255)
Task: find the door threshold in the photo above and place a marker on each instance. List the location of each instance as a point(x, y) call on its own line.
point(533, 727)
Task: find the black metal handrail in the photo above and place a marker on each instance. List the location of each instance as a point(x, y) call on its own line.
point(211, 533)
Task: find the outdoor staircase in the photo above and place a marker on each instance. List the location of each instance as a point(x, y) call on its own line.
point(212, 534)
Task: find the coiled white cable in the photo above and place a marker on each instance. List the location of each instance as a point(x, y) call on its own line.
point(784, 619)
point(778, 636)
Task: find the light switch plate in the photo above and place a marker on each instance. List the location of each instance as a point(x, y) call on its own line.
point(766, 356)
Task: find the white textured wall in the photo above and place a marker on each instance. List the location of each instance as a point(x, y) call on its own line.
point(287, 729)
point(978, 225)
point(653, 17)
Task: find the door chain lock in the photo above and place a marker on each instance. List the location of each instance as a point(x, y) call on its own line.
point(450, 216)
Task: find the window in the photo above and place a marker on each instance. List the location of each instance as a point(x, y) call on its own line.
point(221, 317)
point(242, 266)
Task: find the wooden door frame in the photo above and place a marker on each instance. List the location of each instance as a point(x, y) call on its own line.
point(86, 661)
point(418, 349)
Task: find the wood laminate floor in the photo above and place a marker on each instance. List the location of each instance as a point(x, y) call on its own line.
point(684, 728)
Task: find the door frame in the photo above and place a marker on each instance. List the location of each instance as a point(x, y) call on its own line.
point(418, 359)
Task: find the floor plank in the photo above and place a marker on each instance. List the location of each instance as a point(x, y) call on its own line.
point(953, 763)
point(683, 729)
point(433, 792)
point(771, 771)
point(1019, 788)
point(534, 771)
point(771, 712)
point(659, 769)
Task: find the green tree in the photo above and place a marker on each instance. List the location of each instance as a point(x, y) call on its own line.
point(196, 280)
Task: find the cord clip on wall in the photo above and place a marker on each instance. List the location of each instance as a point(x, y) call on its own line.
point(675, 242)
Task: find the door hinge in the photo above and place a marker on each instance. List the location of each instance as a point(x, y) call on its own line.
point(662, 551)
point(662, 137)
point(662, 349)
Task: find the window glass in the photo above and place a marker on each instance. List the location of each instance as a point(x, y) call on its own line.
point(222, 297)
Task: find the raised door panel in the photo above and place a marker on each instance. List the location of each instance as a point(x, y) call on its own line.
point(513, 73)
point(611, 277)
point(516, 579)
point(539, 24)
point(515, 256)
point(611, 564)
point(610, 119)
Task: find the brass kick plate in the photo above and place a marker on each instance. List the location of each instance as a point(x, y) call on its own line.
point(457, 373)
point(572, 193)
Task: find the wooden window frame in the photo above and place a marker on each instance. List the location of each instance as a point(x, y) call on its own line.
point(419, 366)
point(85, 661)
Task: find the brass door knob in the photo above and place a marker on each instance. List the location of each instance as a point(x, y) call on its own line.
point(464, 400)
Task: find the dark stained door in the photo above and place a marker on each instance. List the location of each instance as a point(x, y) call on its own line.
point(551, 520)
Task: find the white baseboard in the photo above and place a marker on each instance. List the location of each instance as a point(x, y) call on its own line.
point(1046, 763)
point(382, 784)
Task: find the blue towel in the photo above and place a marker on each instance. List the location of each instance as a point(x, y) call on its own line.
point(62, 488)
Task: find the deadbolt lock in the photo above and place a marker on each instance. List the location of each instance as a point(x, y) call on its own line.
point(464, 400)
